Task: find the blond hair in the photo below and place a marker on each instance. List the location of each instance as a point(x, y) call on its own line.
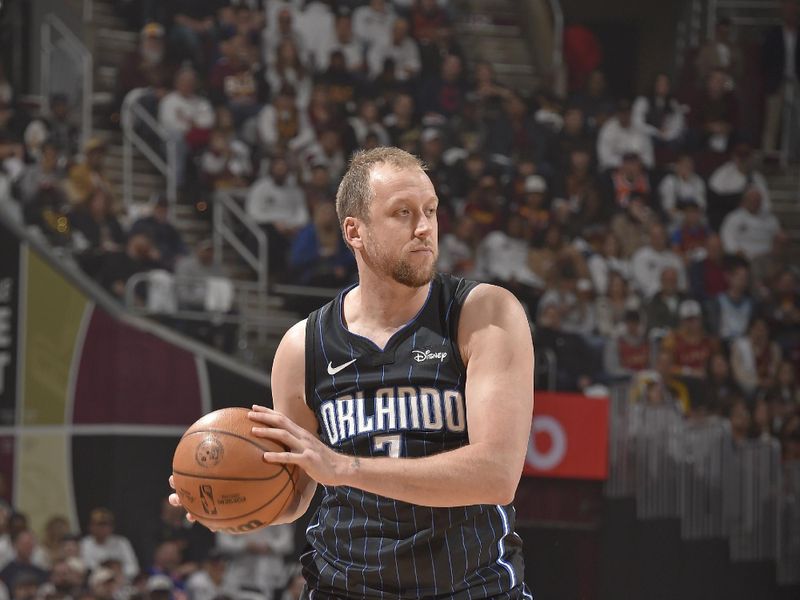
point(355, 192)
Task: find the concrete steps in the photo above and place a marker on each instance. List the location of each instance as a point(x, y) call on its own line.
point(492, 31)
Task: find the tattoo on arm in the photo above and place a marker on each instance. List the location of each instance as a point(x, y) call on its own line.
point(356, 462)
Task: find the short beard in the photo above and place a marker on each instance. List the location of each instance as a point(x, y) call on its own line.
point(403, 272)
point(400, 269)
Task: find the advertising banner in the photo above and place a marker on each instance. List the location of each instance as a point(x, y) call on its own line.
point(569, 437)
point(9, 309)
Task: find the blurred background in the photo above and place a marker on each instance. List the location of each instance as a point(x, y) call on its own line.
point(630, 170)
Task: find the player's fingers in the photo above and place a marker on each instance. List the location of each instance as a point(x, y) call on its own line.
point(172, 482)
point(259, 408)
point(277, 435)
point(282, 457)
point(275, 419)
point(174, 500)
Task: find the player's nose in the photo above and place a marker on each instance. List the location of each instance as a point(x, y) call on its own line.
point(424, 226)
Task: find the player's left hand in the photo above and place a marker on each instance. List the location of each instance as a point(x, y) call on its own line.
point(304, 449)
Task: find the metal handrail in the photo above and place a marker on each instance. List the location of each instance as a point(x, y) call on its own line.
point(243, 290)
point(131, 113)
point(789, 111)
point(558, 38)
point(80, 54)
point(226, 207)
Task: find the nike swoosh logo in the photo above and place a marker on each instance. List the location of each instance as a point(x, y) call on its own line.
point(334, 370)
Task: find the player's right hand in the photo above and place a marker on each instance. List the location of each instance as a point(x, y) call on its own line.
point(175, 500)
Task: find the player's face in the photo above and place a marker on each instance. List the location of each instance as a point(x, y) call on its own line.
point(401, 237)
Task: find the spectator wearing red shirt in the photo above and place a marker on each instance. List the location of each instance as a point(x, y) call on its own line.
point(707, 275)
point(232, 82)
point(486, 206)
point(628, 352)
point(444, 93)
point(583, 54)
point(427, 20)
point(690, 345)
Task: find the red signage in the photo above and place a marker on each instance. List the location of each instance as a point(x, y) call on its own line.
point(569, 437)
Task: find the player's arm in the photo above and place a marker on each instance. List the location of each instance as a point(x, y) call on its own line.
point(495, 342)
point(289, 398)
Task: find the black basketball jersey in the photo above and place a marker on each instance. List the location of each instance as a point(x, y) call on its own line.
point(406, 400)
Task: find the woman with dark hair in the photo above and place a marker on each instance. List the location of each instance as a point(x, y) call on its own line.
point(290, 71)
point(660, 114)
point(721, 389)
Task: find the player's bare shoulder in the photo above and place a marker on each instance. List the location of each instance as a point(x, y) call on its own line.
point(288, 368)
point(489, 308)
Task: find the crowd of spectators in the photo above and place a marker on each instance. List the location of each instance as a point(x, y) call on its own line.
point(179, 561)
point(638, 232)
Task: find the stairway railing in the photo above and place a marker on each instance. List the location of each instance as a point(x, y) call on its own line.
point(229, 220)
point(133, 114)
point(58, 39)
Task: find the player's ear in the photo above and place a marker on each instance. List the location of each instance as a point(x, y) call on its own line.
point(353, 233)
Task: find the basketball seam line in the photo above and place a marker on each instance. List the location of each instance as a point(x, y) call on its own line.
point(202, 476)
point(255, 510)
point(236, 435)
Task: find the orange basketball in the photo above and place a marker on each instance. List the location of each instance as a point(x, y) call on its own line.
point(221, 478)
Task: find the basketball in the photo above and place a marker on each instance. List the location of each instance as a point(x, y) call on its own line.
point(221, 478)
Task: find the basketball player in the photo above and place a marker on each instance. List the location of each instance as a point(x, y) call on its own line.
point(409, 398)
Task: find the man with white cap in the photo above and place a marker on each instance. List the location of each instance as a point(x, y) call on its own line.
point(690, 345)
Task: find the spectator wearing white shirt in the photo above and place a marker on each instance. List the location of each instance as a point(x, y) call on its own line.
point(648, 262)
point(749, 231)
point(277, 204)
point(660, 114)
point(729, 181)
point(210, 582)
point(180, 112)
point(315, 26)
point(502, 258)
point(681, 186)
point(257, 560)
point(102, 544)
point(620, 135)
point(401, 48)
point(343, 40)
point(372, 24)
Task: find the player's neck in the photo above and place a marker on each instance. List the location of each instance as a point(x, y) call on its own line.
point(381, 304)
